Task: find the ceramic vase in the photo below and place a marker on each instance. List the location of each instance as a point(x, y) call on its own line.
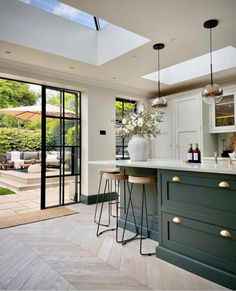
point(138, 148)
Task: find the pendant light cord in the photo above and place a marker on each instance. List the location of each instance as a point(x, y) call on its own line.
point(159, 85)
point(211, 56)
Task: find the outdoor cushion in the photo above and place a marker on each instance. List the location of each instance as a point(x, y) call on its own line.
point(15, 156)
point(34, 168)
point(52, 158)
point(30, 155)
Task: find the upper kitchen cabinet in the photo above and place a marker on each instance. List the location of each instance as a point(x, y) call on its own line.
point(182, 124)
point(222, 114)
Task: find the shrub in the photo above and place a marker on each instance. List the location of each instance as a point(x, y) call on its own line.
point(16, 139)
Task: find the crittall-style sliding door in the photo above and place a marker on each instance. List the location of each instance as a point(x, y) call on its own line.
point(61, 152)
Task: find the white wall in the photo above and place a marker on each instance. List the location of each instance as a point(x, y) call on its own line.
point(97, 116)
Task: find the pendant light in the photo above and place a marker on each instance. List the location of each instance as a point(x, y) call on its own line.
point(159, 102)
point(212, 93)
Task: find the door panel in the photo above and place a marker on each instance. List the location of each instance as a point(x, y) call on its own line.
point(60, 147)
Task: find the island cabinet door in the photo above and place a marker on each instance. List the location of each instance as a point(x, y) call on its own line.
point(200, 196)
point(206, 243)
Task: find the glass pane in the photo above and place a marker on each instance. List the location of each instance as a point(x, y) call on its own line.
point(122, 108)
point(66, 11)
point(224, 111)
point(72, 187)
point(72, 161)
point(53, 156)
point(72, 132)
point(72, 103)
point(53, 132)
point(53, 102)
point(52, 191)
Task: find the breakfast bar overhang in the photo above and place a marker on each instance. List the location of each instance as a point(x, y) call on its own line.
point(193, 217)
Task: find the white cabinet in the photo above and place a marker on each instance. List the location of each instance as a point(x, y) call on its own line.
point(187, 124)
point(223, 117)
point(181, 125)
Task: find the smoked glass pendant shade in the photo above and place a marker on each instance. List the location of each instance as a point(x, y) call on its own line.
point(159, 102)
point(211, 93)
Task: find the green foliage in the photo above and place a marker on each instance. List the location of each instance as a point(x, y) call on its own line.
point(16, 139)
point(6, 191)
point(14, 94)
point(127, 107)
point(53, 131)
point(70, 136)
point(69, 101)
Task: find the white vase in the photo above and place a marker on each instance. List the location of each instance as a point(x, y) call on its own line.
point(138, 148)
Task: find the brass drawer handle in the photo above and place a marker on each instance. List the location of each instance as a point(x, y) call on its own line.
point(176, 220)
point(176, 179)
point(225, 233)
point(224, 184)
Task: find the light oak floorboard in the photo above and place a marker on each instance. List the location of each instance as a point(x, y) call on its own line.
point(65, 254)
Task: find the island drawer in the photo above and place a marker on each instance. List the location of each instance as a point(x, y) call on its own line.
point(210, 244)
point(207, 196)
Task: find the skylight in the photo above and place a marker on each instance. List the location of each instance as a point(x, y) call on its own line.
point(66, 11)
point(223, 59)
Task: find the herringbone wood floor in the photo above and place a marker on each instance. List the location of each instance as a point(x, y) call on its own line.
point(65, 254)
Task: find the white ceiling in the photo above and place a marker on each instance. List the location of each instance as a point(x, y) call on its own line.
point(177, 23)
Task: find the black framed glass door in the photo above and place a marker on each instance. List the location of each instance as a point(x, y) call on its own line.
point(61, 151)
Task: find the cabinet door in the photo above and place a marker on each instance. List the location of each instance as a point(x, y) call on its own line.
point(223, 113)
point(188, 124)
point(164, 142)
point(207, 243)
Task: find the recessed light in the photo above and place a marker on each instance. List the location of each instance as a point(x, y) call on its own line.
point(7, 52)
point(114, 78)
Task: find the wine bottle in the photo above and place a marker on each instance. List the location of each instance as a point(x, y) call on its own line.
point(196, 154)
point(190, 153)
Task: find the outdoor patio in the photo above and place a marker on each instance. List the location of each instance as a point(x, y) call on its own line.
point(27, 201)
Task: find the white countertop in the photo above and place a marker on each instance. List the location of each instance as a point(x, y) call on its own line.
point(207, 166)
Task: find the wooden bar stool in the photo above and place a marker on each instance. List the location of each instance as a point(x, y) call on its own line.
point(141, 181)
point(116, 178)
point(101, 172)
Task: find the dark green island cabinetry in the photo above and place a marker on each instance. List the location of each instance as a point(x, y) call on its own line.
point(197, 223)
point(193, 217)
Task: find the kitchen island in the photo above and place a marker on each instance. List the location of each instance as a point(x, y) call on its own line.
point(193, 217)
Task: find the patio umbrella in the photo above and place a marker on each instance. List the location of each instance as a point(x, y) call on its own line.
point(33, 113)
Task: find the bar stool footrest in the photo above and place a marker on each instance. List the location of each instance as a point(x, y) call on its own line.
point(101, 232)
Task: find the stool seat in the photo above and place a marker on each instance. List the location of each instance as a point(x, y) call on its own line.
point(113, 171)
point(115, 176)
point(142, 180)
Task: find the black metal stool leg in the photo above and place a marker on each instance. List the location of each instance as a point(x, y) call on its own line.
point(101, 210)
point(144, 202)
point(130, 203)
point(96, 207)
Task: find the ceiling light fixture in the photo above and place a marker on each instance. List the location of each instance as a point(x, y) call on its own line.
point(212, 93)
point(159, 102)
